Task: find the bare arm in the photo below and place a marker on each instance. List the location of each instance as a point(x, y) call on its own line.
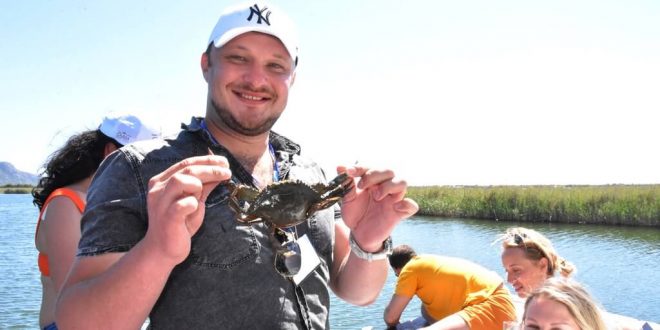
point(370, 211)
point(119, 290)
point(394, 309)
point(355, 280)
point(61, 228)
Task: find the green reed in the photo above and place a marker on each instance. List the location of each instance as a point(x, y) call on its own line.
point(637, 205)
point(15, 189)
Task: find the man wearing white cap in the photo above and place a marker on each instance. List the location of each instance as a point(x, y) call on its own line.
point(165, 244)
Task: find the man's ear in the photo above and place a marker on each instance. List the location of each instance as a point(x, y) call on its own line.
point(204, 63)
point(108, 149)
point(293, 79)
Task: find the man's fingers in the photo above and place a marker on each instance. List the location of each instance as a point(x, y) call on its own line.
point(209, 160)
point(395, 188)
point(196, 181)
point(207, 174)
point(204, 174)
point(368, 177)
point(375, 177)
point(183, 206)
point(171, 191)
point(183, 185)
point(407, 206)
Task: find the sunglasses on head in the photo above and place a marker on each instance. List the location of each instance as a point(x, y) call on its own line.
point(287, 251)
point(519, 240)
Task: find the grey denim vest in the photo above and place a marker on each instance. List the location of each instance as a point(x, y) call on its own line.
point(228, 280)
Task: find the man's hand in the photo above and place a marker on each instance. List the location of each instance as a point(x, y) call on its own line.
point(375, 206)
point(176, 203)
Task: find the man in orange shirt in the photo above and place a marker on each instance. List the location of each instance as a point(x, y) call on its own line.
point(455, 293)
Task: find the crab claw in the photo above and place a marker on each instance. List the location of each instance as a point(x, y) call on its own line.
point(336, 189)
point(339, 186)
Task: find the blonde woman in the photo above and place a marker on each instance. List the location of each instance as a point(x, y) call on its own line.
point(562, 303)
point(529, 260)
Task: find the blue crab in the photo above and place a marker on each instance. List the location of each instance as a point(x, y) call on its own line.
point(286, 203)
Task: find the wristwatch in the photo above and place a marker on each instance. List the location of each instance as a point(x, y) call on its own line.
point(362, 254)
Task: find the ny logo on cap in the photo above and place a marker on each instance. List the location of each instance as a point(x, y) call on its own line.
point(259, 12)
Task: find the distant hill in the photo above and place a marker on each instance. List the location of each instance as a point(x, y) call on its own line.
point(10, 175)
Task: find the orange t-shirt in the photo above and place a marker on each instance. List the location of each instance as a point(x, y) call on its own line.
point(445, 284)
point(80, 204)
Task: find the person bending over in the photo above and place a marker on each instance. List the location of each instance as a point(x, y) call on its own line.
point(455, 293)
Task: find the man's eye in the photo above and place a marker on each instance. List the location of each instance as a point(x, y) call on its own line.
point(237, 58)
point(277, 67)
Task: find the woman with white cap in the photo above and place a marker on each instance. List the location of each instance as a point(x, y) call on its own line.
point(60, 196)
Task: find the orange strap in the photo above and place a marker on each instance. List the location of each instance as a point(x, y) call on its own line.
point(42, 261)
point(80, 204)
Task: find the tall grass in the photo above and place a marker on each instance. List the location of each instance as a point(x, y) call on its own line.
point(15, 189)
point(637, 205)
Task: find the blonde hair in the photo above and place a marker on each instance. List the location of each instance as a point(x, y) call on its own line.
point(537, 246)
point(575, 297)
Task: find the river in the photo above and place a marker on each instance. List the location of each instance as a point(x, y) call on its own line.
point(619, 265)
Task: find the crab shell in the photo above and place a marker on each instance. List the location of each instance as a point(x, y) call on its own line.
point(287, 203)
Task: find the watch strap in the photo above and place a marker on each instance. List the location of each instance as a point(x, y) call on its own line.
point(369, 256)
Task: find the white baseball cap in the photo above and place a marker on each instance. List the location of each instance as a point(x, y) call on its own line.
point(256, 17)
point(127, 129)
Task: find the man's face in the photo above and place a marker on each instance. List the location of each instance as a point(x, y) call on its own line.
point(249, 79)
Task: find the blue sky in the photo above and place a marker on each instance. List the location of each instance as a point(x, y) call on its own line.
point(444, 92)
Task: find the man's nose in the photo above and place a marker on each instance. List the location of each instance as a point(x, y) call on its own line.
point(255, 76)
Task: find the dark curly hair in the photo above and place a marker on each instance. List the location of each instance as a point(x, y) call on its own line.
point(79, 158)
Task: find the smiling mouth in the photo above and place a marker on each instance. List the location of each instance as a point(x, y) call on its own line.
point(250, 97)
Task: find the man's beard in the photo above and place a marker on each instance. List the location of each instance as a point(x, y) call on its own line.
point(232, 123)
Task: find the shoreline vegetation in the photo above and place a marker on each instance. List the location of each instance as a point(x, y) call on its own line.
point(16, 189)
point(629, 205)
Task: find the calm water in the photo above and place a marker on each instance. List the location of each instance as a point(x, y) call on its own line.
point(619, 265)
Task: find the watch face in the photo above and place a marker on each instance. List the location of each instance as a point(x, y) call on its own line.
point(384, 253)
